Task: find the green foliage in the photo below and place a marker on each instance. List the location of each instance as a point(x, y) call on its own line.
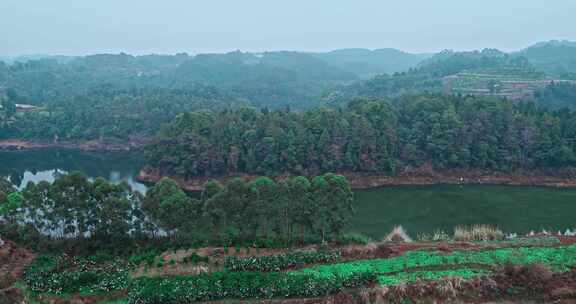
point(279, 262)
point(167, 203)
point(6, 189)
point(13, 202)
point(75, 206)
point(194, 258)
point(148, 257)
point(558, 96)
point(263, 211)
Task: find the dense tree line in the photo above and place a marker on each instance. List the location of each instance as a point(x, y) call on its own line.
point(367, 136)
point(262, 210)
point(109, 113)
point(558, 96)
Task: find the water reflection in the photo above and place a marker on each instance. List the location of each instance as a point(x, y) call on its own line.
point(21, 167)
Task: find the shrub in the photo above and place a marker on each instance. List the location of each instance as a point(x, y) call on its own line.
point(353, 238)
point(194, 258)
point(147, 257)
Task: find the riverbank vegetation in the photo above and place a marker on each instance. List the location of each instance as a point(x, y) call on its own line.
point(85, 214)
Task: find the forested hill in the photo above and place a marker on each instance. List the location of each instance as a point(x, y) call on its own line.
point(429, 75)
point(123, 96)
point(120, 97)
point(553, 57)
point(446, 132)
point(272, 79)
point(268, 79)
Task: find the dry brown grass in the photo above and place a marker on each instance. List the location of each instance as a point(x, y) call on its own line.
point(398, 234)
point(477, 233)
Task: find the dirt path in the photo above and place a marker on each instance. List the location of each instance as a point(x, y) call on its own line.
point(90, 146)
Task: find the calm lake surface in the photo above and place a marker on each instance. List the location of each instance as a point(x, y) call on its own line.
point(21, 167)
point(426, 208)
point(417, 208)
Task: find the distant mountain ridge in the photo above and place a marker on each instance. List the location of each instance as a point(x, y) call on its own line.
point(568, 43)
point(368, 63)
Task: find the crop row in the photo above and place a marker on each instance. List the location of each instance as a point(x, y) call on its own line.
point(410, 277)
point(238, 285)
point(279, 262)
point(560, 259)
point(255, 285)
point(60, 274)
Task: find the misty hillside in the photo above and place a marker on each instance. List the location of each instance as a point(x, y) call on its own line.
point(554, 57)
point(429, 75)
point(367, 63)
point(295, 79)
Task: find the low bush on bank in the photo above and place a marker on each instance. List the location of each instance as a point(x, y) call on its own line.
point(353, 238)
point(279, 262)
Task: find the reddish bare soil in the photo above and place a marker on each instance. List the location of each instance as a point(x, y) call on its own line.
point(419, 176)
point(13, 260)
point(567, 240)
point(92, 145)
point(80, 299)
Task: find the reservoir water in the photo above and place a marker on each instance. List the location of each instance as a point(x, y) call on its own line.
point(417, 208)
point(21, 167)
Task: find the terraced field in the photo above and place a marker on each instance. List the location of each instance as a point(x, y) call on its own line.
point(541, 268)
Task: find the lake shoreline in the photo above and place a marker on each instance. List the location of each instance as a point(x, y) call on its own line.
point(87, 146)
point(558, 178)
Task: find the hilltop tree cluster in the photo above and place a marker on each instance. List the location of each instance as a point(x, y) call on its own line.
point(262, 210)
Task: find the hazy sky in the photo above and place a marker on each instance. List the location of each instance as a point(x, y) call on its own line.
point(75, 27)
